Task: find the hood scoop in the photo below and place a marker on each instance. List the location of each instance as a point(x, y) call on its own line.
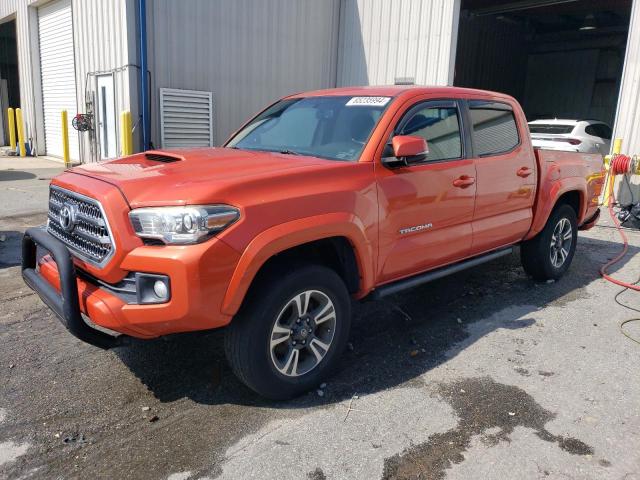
point(162, 157)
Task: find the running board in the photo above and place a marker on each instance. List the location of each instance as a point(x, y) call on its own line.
point(395, 287)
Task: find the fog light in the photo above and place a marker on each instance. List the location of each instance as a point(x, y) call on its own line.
point(152, 288)
point(160, 289)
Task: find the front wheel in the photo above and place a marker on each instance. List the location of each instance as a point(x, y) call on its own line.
point(548, 255)
point(290, 333)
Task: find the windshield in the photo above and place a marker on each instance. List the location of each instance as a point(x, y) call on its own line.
point(336, 128)
point(550, 128)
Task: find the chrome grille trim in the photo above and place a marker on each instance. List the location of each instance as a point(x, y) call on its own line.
point(91, 240)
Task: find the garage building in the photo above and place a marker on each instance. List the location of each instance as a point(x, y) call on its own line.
point(209, 65)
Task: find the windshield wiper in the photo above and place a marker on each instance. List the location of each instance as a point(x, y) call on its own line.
point(287, 151)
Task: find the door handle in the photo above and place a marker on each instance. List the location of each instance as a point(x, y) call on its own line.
point(464, 181)
point(524, 172)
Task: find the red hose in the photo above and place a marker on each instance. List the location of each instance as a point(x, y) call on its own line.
point(619, 165)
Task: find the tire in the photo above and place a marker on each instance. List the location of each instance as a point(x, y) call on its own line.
point(537, 254)
point(276, 300)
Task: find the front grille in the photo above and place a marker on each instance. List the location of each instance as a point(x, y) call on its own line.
point(83, 227)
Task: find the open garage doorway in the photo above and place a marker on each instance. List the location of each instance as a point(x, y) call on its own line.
point(9, 79)
point(559, 58)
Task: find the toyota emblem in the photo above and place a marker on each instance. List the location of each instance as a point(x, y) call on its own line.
point(67, 217)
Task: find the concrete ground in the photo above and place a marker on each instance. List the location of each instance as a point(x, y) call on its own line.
point(485, 374)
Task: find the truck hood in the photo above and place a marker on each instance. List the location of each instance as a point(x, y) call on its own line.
point(181, 177)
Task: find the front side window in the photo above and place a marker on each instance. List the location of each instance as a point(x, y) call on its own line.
point(335, 128)
point(494, 129)
point(440, 127)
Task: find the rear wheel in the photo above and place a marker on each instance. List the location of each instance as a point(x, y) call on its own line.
point(548, 255)
point(289, 335)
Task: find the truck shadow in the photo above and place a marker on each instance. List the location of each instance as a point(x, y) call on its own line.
point(13, 175)
point(393, 341)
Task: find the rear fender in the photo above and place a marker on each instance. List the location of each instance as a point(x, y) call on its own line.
point(548, 195)
point(292, 234)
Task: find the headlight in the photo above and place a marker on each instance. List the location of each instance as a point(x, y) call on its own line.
point(182, 225)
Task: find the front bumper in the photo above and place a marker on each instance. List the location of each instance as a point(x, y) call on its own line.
point(64, 303)
point(199, 276)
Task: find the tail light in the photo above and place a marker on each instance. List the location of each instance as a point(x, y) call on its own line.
point(572, 141)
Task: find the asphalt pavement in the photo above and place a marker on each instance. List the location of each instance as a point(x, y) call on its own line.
point(484, 374)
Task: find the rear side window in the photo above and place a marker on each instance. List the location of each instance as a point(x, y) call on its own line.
point(606, 131)
point(599, 130)
point(440, 127)
point(494, 128)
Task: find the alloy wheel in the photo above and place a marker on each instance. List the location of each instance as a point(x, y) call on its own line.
point(303, 332)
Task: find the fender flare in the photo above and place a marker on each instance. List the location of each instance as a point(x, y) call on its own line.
point(549, 199)
point(292, 234)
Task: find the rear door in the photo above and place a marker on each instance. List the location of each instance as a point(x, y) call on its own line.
point(506, 176)
point(426, 209)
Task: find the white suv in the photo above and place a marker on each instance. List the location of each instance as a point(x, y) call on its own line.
point(586, 136)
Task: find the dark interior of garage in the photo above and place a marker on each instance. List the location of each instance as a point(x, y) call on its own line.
point(9, 79)
point(559, 58)
point(9, 62)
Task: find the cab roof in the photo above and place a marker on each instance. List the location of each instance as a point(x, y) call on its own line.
point(396, 90)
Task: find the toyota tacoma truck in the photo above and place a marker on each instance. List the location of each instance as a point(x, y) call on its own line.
point(321, 199)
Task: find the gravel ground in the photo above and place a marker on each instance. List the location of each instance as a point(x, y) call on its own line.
point(480, 375)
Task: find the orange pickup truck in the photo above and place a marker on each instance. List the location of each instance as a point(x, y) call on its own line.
point(322, 198)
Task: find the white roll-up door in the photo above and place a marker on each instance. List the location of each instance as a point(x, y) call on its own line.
point(186, 118)
point(57, 67)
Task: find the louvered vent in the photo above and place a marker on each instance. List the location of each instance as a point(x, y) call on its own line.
point(186, 118)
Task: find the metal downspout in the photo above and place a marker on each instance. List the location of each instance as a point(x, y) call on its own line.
point(144, 85)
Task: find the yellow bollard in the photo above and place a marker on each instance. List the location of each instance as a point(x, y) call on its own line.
point(65, 139)
point(617, 146)
point(126, 136)
point(23, 150)
point(12, 128)
point(611, 179)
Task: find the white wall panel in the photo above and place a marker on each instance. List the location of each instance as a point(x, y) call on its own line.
point(57, 71)
point(627, 124)
point(104, 39)
point(247, 52)
point(382, 40)
point(102, 30)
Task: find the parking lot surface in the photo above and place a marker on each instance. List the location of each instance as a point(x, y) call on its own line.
point(484, 374)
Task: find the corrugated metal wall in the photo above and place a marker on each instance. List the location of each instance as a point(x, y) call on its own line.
point(101, 43)
point(101, 29)
point(247, 52)
point(383, 40)
point(627, 124)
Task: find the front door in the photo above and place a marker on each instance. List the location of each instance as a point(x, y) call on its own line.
point(426, 210)
point(506, 176)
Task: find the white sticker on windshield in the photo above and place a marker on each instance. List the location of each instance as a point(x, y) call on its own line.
point(368, 101)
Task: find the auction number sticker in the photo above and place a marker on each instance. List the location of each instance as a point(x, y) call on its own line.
point(368, 101)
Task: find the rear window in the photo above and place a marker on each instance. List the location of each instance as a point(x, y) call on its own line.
point(494, 129)
point(552, 129)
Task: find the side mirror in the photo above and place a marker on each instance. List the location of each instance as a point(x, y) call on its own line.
point(407, 150)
